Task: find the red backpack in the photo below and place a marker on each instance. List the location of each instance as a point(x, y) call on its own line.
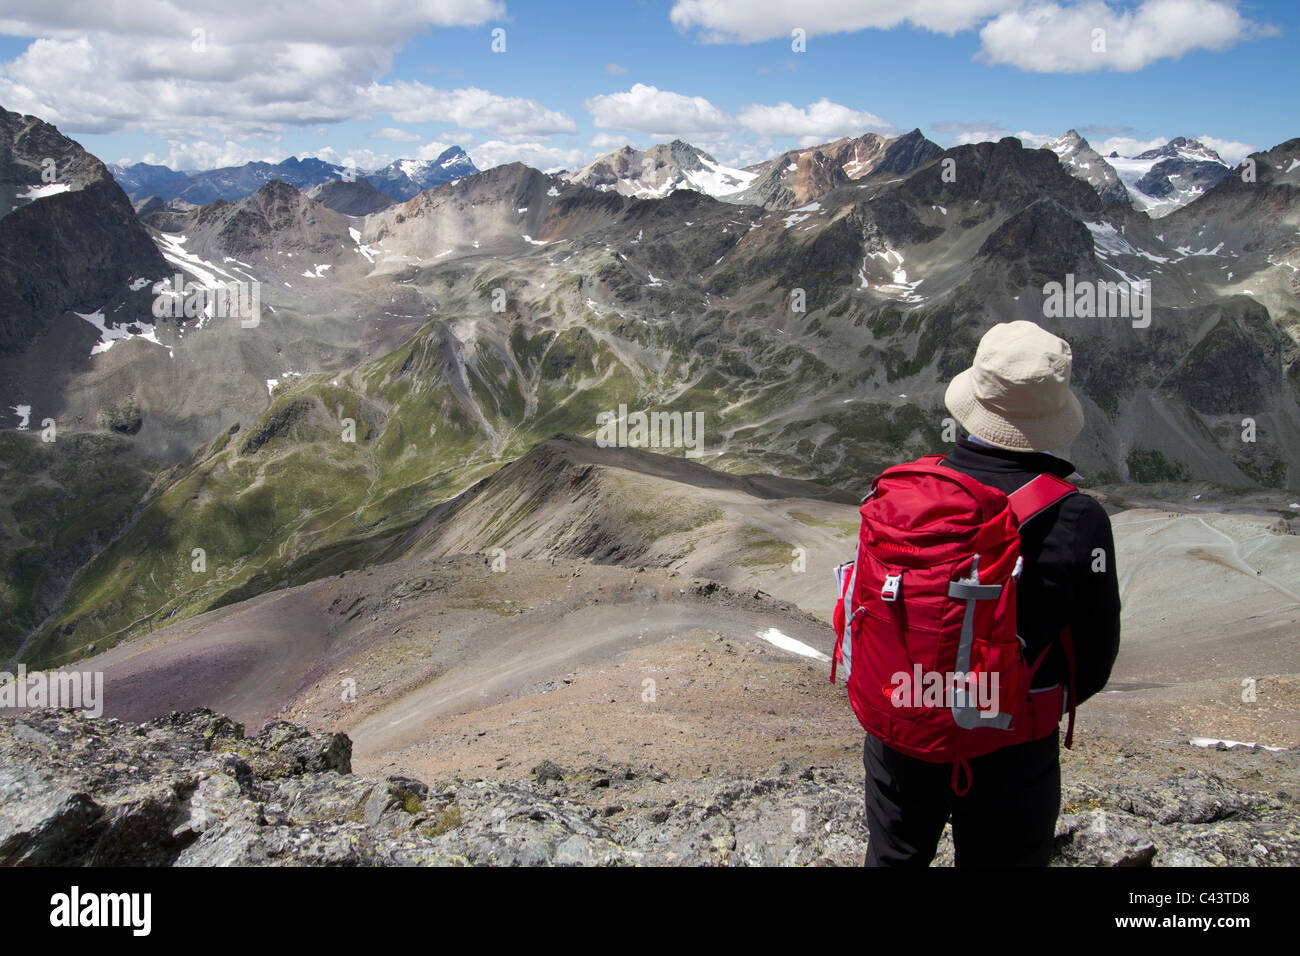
point(926, 619)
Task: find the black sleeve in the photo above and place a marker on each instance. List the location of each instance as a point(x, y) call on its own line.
point(1094, 614)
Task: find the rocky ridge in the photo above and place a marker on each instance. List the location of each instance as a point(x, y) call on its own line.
point(192, 789)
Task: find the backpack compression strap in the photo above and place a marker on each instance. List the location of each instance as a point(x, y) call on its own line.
point(1067, 645)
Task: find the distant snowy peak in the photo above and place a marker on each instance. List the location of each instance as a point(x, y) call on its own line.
point(1162, 180)
point(660, 170)
point(400, 180)
point(404, 178)
point(452, 163)
point(455, 161)
point(1181, 148)
point(1083, 162)
point(414, 168)
point(1156, 182)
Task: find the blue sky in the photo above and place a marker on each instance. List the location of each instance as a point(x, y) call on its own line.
point(366, 81)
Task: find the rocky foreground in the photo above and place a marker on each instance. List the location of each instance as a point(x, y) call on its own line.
point(192, 790)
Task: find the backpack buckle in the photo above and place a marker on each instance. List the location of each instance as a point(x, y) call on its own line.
point(889, 590)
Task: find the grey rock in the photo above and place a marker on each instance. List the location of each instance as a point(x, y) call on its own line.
point(191, 790)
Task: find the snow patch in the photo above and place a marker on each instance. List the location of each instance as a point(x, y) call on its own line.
point(1215, 741)
point(367, 251)
point(1107, 238)
point(285, 376)
point(1186, 251)
point(49, 189)
point(718, 180)
point(777, 639)
point(1131, 171)
point(110, 335)
point(172, 247)
point(899, 287)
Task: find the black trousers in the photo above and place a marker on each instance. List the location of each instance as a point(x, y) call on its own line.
point(1007, 818)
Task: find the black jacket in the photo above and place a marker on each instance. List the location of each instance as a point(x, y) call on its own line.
point(1066, 577)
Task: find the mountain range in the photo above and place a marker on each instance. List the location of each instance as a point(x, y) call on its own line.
point(812, 313)
point(400, 180)
point(1157, 181)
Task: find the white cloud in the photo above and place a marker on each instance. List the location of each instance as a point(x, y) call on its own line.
point(471, 108)
point(987, 134)
point(543, 156)
point(647, 109)
point(608, 141)
point(725, 21)
point(740, 153)
point(204, 155)
point(394, 134)
point(615, 69)
point(962, 133)
point(1033, 140)
point(1231, 151)
point(978, 135)
point(1034, 35)
point(356, 158)
point(1127, 145)
point(817, 123)
point(432, 149)
point(1050, 38)
point(253, 69)
point(343, 22)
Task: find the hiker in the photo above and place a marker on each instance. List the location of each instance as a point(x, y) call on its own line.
point(947, 580)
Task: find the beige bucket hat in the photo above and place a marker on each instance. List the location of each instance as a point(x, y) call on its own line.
point(1016, 395)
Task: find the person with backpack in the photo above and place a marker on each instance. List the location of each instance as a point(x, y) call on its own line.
point(982, 607)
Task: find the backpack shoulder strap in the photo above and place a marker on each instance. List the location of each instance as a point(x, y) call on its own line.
point(1037, 495)
point(1034, 497)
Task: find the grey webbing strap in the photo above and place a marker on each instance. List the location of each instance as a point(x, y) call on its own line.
point(965, 591)
point(964, 714)
point(846, 643)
